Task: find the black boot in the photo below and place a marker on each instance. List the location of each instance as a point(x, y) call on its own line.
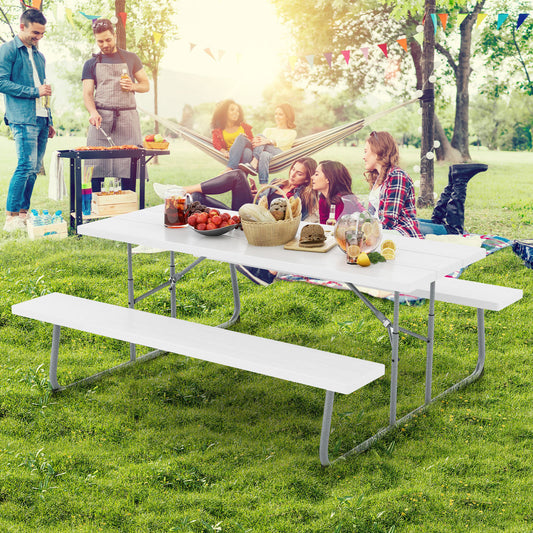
point(439, 212)
point(455, 208)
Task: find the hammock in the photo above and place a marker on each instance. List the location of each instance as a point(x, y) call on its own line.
point(302, 147)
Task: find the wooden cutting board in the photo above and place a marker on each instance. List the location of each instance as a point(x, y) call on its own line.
point(328, 244)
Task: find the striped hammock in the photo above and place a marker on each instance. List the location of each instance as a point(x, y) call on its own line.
point(302, 147)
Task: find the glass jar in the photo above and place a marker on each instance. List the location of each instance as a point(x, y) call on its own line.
point(177, 204)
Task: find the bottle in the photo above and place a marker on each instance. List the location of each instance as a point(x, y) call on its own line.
point(35, 219)
point(124, 76)
point(58, 217)
point(45, 99)
point(86, 198)
point(331, 221)
point(46, 218)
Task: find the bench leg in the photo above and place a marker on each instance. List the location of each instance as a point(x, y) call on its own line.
point(430, 342)
point(236, 299)
point(395, 340)
point(54, 356)
point(131, 296)
point(326, 428)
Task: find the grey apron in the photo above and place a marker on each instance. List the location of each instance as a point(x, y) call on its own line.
point(120, 121)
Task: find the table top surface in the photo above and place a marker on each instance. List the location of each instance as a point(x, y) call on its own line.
point(109, 153)
point(418, 262)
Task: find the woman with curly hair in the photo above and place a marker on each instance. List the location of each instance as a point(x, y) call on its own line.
point(231, 135)
point(392, 192)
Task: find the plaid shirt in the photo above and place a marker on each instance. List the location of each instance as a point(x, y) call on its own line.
point(397, 208)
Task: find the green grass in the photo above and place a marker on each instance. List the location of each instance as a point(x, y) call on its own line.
point(177, 444)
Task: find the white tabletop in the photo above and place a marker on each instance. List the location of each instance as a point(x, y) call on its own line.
point(418, 262)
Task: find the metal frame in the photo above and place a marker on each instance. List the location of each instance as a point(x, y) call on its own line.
point(393, 328)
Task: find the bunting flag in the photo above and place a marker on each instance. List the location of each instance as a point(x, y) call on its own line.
point(210, 54)
point(435, 23)
point(328, 56)
point(403, 43)
point(192, 46)
point(310, 60)
point(346, 55)
point(90, 17)
point(36, 4)
point(292, 61)
point(521, 18)
point(157, 37)
point(443, 20)
point(501, 19)
point(365, 52)
point(480, 19)
point(419, 37)
point(122, 16)
point(221, 54)
point(461, 17)
point(68, 14)
point(383, 48)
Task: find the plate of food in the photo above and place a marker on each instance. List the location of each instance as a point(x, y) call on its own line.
point(212, 222)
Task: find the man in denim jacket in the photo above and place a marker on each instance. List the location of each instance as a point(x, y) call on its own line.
point(22, 80)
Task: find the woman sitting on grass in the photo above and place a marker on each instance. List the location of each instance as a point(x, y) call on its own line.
point(273, 141)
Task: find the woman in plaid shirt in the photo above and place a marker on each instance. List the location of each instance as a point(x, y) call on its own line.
point(392, 193)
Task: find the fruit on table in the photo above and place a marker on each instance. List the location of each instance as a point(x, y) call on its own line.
point(149, 138)
point(159, 138)
point(211, 219)
point(154, 138)
point(363, 260)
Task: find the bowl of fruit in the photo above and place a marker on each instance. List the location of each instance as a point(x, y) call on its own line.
point(155, 141)
point(211, 222)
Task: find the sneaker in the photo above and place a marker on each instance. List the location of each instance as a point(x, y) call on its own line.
point(14, 223)
point(249, 169)
point(257, 275)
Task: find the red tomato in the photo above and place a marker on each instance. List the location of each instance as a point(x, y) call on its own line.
point(225, 216)
point(210, 226)
point(200, 227)
point(149, 138)
point(235, 219)
point(192, 220)
point(214, 212)
point(217, 220)
point(202, 218)
point(224, 224)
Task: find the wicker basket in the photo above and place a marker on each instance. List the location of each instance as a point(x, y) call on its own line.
point(271, 233)
point(155, 146)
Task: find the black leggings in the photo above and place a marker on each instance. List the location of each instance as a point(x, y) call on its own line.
point(235, 181)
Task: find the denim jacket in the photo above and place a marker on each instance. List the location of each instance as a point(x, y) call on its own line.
point(16, 82)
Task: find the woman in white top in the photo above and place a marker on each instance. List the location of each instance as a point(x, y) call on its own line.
point(272, 142)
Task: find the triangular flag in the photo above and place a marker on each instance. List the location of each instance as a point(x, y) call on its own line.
point(365, 52)
point(443, 19)
point(521, 18)
point(346, 55)
point(122, 16)
point(90, 17)
point(221, 54)
point(480, 19)
point(310, 60)
point(68, 14)
point(36, 4)
point(461, 17)
point(292, 61)
point(419, 37)
point(157, 36)
point(383, 48)
point(192, 46)
point(209, 53)
point(435, 23)
point(502, 17)
point(328, 56)
point(403, 43)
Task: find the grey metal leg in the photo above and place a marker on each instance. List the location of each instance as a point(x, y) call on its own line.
point(430, 342)
point(172, 268)
point(236, 299)
point(131, 297)
point(54, 356)
point(326, 428)
point(394, 359)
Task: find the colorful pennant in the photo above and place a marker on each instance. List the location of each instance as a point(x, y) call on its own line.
point(157, 36)
point(328, 56)
point(521, 18)
point(365, 52)
point(501, 19)
point(346, 55)
point(403, 43)
point(123, 17)
point(443, 19)
point(383, 48)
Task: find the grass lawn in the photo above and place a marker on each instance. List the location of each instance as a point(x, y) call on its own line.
point(176, 444)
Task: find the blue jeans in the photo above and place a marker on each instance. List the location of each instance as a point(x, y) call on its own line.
point(30, 145)
point(264, 154)
point(240, 152)
point(428, 227)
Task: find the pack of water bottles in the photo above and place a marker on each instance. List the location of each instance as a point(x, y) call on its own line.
point(46, 224)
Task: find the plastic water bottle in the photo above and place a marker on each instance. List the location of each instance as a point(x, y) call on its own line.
point(47, 219)
point(35, 218)
point(58, 217)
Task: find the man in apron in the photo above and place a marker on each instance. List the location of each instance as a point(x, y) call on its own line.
point(109, 96)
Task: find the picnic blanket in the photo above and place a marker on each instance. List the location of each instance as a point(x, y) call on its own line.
point(491, 244)
point(524, 249)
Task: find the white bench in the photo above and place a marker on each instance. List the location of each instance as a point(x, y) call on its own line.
point(329, 371)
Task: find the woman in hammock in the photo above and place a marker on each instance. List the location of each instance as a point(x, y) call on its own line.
point(273, 141)
point(297, 184)
point(392, 192)
point(231, 135)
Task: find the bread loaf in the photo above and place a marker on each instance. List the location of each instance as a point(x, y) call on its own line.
point(255, 213)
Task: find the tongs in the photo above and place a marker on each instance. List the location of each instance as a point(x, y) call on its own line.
point(109, 139)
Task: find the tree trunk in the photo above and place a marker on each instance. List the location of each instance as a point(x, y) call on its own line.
point(120, 7)
point(445, 152)
point(462, 76)
point(425, 198)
